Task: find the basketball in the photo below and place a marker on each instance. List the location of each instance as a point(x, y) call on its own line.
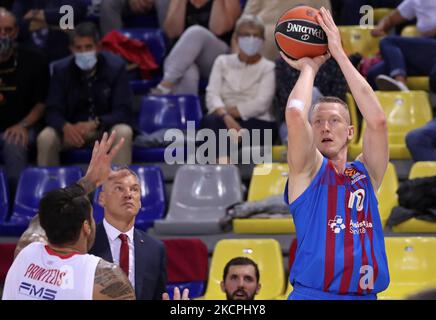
point(298, 34)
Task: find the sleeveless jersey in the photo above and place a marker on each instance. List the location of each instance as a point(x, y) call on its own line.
point(38, 273)
point(340, 242)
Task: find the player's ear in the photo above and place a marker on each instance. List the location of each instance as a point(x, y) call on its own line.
point(350, 133)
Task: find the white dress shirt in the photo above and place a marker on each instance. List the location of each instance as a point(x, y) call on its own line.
point(115, 245)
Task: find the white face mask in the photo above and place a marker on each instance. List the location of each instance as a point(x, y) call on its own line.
point(250, 45)
point(86, 60)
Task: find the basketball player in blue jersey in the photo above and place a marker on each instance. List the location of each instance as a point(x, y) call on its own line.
point(341, 252)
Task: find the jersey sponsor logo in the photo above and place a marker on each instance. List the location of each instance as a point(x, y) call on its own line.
point(359, 227)
point(353, 174)
point(337, 224)
point(38, 292)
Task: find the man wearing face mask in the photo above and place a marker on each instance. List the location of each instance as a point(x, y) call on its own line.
point(89, 94)
point(23, 89)
point(241, 85)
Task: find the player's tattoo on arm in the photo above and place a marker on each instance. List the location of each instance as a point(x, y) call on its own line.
point(87, 185)
point(33, 233)
point(111, 283)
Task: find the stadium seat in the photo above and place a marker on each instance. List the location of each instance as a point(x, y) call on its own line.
point(419, 169)
point(267, 180)
point(199, 199)
point(152, 197)
point(418, 83)
point(356, 39)
point(187, 265)
point(410, 31)
point(412, 265)
point(165, 112)
point(404, 111)
point(33, 184)
point(265, 252)
point(387, 193)
point(155, 41)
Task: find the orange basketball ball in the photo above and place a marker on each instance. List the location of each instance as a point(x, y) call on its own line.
point(298, 34)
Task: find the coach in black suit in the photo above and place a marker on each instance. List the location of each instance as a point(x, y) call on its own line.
point(141, 257)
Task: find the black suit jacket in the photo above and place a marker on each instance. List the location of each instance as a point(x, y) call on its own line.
point(150, 262)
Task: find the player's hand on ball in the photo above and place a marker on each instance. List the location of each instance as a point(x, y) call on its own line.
point(325, 20)
point(302, 63)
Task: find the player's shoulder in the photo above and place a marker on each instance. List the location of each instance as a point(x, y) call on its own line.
point(110, 283)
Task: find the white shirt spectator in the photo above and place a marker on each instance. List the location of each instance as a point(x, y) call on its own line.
point(423, 10)
point(249, 87)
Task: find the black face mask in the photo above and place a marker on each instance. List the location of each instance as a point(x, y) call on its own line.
point(6, 44)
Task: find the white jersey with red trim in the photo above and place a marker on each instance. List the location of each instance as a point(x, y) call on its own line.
point(38, 273)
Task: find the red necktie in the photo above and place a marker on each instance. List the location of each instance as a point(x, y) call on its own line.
point(124, 253)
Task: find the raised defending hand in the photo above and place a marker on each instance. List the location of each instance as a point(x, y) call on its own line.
point(102, 155)
point(326, 22)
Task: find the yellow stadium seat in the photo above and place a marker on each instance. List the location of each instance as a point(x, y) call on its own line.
point(267, 180)
point(418, 83)
point(357, 39)
point(279, 153)
point(410, 31)
point(380, 13)
point(404, 111)
point(387, 193)
point(418, 170)
point(412, 265)
point(265, 252)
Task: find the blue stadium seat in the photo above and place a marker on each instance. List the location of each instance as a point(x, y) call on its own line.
point(165, 112)
point(155, 40)
point(33, 184)
point(152, 197)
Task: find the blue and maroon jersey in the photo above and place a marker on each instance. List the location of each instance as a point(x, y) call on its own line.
point(339, 233)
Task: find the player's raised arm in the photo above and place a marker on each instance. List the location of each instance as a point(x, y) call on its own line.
point(375, 153)
point(303, 157)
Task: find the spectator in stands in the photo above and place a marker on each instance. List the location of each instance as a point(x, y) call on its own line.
point(23, 90)
point(58, 239)
point(406, 56)
point(89, 94)
point(241, 85)
point(270, 12)
point(240, 281)
point(39, 22)
point(349, 10)
point(112, 12)
point(141, 257)
point(202, 30)
point(421, 142)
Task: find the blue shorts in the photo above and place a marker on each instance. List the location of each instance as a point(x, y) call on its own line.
point(304, 293)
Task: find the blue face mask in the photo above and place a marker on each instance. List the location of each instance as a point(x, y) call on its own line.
point(86, 60)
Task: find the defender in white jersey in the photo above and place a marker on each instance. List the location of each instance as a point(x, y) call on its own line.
point(51, 257)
